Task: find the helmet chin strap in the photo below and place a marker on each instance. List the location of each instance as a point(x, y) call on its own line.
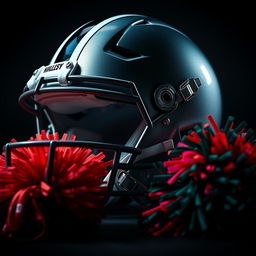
point(127, 182)
point(156, 149)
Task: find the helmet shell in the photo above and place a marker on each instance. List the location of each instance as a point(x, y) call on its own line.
point(150, 53)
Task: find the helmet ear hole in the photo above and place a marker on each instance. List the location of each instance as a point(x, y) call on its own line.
point(165, 98)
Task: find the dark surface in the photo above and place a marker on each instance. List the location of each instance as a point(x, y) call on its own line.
point(224, 33)
point(120, 234)
point(122, 237)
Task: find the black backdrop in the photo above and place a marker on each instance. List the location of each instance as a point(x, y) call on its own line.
point(30, 34)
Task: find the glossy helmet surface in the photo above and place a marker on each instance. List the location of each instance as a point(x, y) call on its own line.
point(130, 83)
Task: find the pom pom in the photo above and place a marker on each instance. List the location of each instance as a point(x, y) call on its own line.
point(210, 180)
point(76, 185)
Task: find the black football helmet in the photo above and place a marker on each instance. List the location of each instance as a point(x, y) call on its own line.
point(129, 85)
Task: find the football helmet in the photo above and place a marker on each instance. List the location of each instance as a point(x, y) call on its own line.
point(130, 85)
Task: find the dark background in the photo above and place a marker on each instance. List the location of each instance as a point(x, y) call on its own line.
point(30, 34)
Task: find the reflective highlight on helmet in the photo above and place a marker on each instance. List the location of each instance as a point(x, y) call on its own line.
point(206, 74)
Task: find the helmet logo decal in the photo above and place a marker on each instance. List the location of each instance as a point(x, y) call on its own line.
point(53, 67)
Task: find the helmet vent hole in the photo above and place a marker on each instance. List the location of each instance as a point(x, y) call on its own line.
point(125, 53)
point(141, 22)
point(114, 49)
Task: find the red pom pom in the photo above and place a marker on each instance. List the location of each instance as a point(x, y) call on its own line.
point(76, 183)
point(209, 183)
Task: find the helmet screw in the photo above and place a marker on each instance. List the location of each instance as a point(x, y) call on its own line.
point(69, 64)
point(34, 73)
point(167, 121)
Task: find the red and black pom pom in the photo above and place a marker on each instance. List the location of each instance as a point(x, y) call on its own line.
point(210, 180)
point(76, 186)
